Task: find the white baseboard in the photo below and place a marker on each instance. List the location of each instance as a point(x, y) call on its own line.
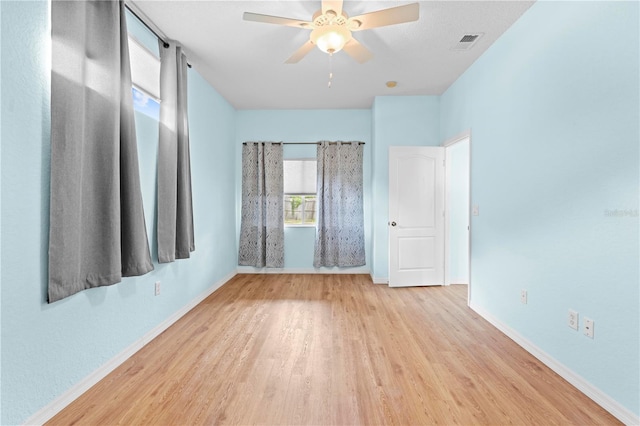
point(359, 270)
point(605, 401)
point(54, 407)
point(379, 280)
point(252, 270)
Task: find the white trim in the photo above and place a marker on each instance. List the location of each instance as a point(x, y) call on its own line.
point(457, 138)
point(447, 215)
point(599, 397)
point(252, 270)
point(54, 407)
point(460, 137)
point(380, 280)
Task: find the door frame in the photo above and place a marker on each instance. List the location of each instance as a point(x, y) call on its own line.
point(465, 135)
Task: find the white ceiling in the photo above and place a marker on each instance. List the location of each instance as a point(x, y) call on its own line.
point(244, 61)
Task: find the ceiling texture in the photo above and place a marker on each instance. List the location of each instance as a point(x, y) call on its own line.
point(244, 61)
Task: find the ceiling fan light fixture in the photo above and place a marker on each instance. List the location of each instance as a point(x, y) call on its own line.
point(331, 38)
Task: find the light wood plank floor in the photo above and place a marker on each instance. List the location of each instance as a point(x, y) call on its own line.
point(332, 350)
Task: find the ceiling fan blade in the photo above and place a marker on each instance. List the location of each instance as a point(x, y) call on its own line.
point(300, 53)
point(357, 51)
point(335, 5)
point(391, 16)
point(269, 19)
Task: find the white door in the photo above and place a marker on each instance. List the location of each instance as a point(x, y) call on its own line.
point(416, 216)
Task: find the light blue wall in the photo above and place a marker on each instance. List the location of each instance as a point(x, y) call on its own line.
point(47, 349)
point(402, 121)
point(458, 175)
point(306, 126)
point(553, 106)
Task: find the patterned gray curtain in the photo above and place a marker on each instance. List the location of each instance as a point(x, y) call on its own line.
point(175, 208)
point(340, 229)
point(97, 228)
point(262, 221)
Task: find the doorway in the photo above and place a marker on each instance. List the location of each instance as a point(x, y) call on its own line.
point(458, 209)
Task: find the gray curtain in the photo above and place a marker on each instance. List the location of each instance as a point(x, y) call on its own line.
point(340, 228)
point(175, 209)
point(97, 227)
point(262, 220)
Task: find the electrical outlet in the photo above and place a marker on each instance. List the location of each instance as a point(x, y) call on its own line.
point(572, 319)
point(587, 327)
point(157, 289)
point(523, 297)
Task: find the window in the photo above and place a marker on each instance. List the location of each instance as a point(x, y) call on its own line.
point(300, 192)
point(145, 76)
point(145, 104)
point(144, 55)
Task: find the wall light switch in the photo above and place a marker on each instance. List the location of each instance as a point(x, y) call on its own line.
point(475, 210)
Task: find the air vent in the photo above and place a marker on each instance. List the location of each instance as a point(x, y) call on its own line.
point(467, 41)
point(469, 38)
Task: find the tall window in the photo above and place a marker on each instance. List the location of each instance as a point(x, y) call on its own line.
point(300, 192)
point(145, 76)
point(145, 67)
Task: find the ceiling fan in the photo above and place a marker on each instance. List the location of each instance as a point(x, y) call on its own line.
point(331, 28)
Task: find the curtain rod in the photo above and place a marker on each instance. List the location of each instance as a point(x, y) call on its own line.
point(301, 143)
point(164, 43)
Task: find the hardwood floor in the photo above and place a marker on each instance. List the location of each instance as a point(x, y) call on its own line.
point(332, 349)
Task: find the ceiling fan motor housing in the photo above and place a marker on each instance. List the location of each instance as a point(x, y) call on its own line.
point(330, 17)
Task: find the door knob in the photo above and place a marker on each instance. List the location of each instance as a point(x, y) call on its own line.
point(393, 224)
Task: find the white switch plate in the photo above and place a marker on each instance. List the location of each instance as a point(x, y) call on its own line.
point(523, 297)
point(475, 210)
point(587, 327)
point(157, 288)
point(572, 319)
